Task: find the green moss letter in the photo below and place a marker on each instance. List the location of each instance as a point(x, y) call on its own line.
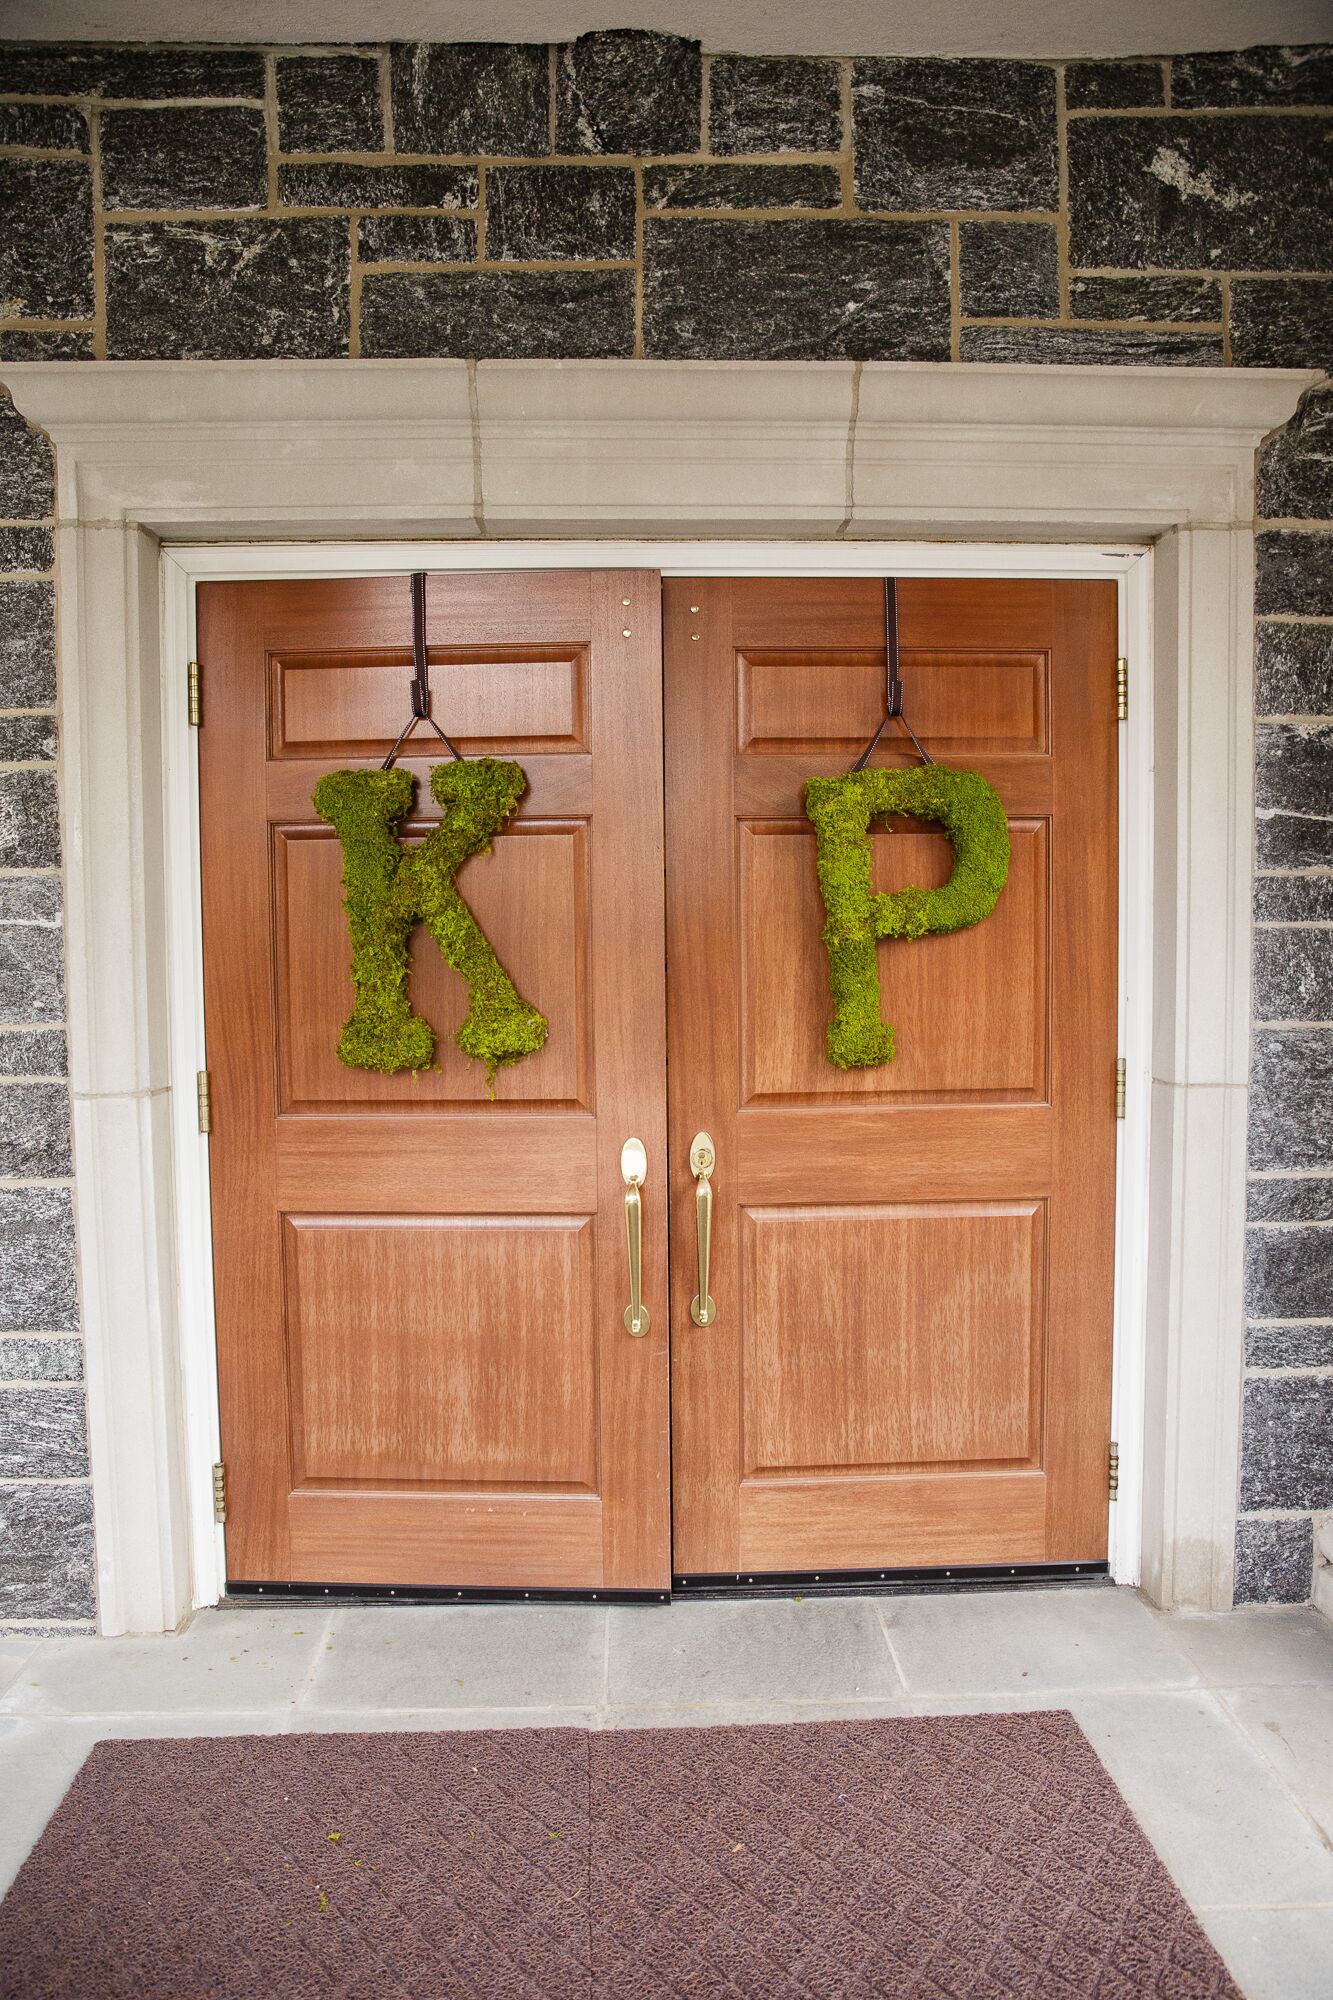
point(841, 810)
point(390, 888)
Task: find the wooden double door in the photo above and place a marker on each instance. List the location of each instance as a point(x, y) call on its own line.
point(425, 1371)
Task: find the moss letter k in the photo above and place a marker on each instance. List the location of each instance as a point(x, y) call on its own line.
point(389, 888)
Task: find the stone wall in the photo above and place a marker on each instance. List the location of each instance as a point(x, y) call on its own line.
point(625, 195)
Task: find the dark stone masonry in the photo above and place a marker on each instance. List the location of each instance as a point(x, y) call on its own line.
point(628, 194)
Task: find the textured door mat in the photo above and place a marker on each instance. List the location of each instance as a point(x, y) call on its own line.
point(921, 1858)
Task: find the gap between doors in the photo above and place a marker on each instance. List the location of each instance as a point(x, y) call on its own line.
point(183, 567)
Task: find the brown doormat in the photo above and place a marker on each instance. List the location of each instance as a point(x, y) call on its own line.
point(922, 1859)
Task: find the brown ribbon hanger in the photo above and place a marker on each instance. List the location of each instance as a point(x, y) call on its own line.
point(893, 698)
point(420, 680)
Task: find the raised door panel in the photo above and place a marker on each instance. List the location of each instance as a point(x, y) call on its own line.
point(529, 894)
point(891, 1338)
point(968, 704)
point(489, 699)
point(969, 1012)
point(441, 1351)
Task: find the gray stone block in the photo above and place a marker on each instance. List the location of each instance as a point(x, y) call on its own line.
point(1282, 323)
point(1182, 300)
point(38, 1291)
point(175, 156)
point(1296, 468)
point(1092, 346)
point(341, 184)
point(1260, 76)
point(29, 820)
point(774, 104)
point(48, 1357)
point(27, 644)
point(43, 1433)
point(30, 899)
point(329, 104)
point(471, 97)
point(1293, 975)
point(1290, 1198)
point(32, 1052)
point(56, 127)
point(1287, 1442)
point(416, 239)
point(559, 212)
point(1293, 794)
point(801, 291)
point(45, 344)
point(741, 185)
point(1293, 669)
point(46, 238)
point(1291, 1086)
point(1250, 194)
point(228, 290)
point(1309, 1345)
point(27, 469)
point(1274, 1561)
point(1113, 86)
point(629, 90)
point(27, 739)
point(46, 1552)
point(510, 315)
point(1294, 573)
point(1009, 269)
point(34, 1131)
point(137, 73)
point(32, 970)
point(1289, 1275)
point(1293, 899)
point(27, 549)
point(954, 134)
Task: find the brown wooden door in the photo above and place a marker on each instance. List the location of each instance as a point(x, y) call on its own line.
point(912, 1265)
point(425, 1375)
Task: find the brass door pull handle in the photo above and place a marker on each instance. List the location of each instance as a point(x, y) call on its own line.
point(633, 1167)
point(703, 1158)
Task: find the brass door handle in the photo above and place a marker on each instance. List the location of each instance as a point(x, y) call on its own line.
point(633, 1167)
point(703, 1158)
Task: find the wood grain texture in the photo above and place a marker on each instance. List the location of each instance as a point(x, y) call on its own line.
point(423, 1369)
point(911, 1357)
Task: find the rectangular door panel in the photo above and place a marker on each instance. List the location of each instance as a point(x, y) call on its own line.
point(441, 1351)
point(892, 1338)
point(529, 894)
point(821, 702)
point(910, 1357)
point(346, 703)
point(424, 1372)
point(988, 1044)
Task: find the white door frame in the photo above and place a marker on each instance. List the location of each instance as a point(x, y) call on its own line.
point(185, 565)
point(441, 453)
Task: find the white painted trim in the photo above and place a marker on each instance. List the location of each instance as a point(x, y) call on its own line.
point(184, 565)
point(834, 453)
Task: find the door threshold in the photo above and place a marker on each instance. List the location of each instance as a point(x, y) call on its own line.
point(889, 1582)
point(763, 1583)
point(415, 1593)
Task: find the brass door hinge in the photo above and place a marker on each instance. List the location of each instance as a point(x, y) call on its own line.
point(1122, 690)
point(1113, 1470)
point(194, 700)
point(204, 1095)
point(1120, 1086)
point(219, 1492)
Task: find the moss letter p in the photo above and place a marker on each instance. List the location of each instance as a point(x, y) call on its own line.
point(856, 917)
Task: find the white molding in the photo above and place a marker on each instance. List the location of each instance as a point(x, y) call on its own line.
point(830, 453)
